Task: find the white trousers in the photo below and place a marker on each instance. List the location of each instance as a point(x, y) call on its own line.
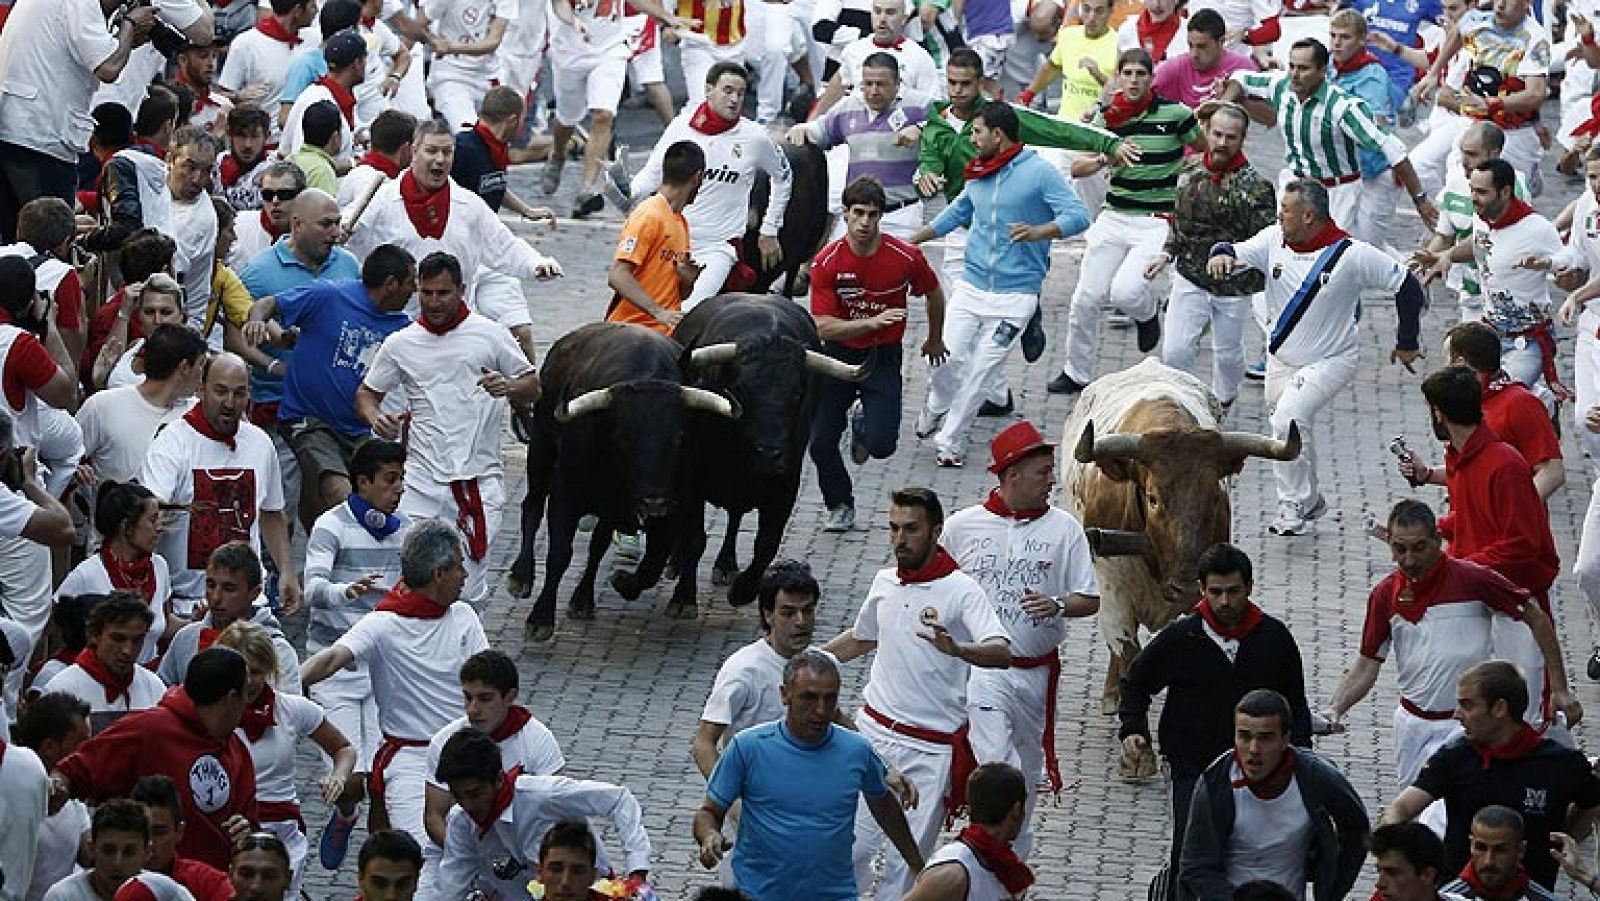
point(404, 789)
point(24, 597)
point(346, 697)
point(715, 262)
point(457, 99)
point(1344, 200)
point(1415, 740)
point(424, 499)
point(1111, 276)
point(1375, 217)
point(928, 768)
point(1432, 155)
point(288, 831)
point(1189, 310)
point(1297, 394)
point(1586, 387)
point(1006, 710)
point(953, 265)
point(979, 343)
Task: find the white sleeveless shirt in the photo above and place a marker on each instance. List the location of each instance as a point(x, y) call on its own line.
point(982, 884)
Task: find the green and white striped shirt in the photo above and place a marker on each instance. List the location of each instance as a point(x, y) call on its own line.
point(1324, 134)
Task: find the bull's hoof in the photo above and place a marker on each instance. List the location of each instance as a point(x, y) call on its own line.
point(580, 609)
point(626, 584)
point(669, 572)
point(541, 631)
point(743, 590)
point(518, 588)
point(722, 575)
point(1108, 705)
point(682, 610)
point(1139, 768)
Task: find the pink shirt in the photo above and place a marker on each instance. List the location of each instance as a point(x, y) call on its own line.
point(1177, 78)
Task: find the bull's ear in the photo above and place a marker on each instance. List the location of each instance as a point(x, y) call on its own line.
point(1115, 470)
point(1232, 466)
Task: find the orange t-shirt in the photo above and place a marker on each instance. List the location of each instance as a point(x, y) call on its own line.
point(655, 240)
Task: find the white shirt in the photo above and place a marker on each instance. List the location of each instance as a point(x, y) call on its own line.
point(78, 888)
point(1048, 555)
point(1328, 326)
point(465, 22)
point(291, 139)
point(533, 747)
point(610, 32)
point(1128, 36)
point(294, 718)
point(194, 228)
point(455, 424)
point(118, 426)
point(911, 681)
point(340, 551)
point(1514, 299)
point(1456, 216)
point(416, 666)
point(982, 884)
point(186, 644)
point(59, 838)
point(90, 577)
point(254, 58)
point(24, 796)
point(250, 238)
point(919, 75)
point(722, 208)
point(382, 47)
point(146, 690)
point(354, 186)
point(1240, 15)
point(1271, 837)
point(180, 457)
point(1583, 243)
point(48, 54)
point(122, 374)
point(745, 692)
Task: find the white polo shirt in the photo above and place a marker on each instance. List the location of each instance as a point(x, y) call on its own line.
point(745, 692)
point(145, 691)
point(294, 718)
point(1514, 299)
point(90, 577)
point(911, 681)
point(415, 666)
point(533, 747)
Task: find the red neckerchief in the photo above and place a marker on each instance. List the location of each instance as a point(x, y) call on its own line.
point(115, 686)
point(1519, 885)
point(343, 97)
point(1330, 234)
point(516, 717)
point(978, 167)
point(460, 316)
point(1354, 63)
point(202, 95)
point(429, 211)
point(502, 800)
point(1236, 632)
point(369, 22)
point(1155, 36)
point(196, 418)
point(258, 717)
point(1280, 773)
point(1234, 164)
point(997, 505)
point(941, 564)
point(380, 162)
point(999, 858)
point(268, 227)
point(1521, 743)
point(272, 28)
point(1121, 110)
point(892, 45)
point(138, 576)
point(1421, 590)
point(208, 637)
point(405, 602)
point(706, 121)
point(1516, 211)
point(229, 171)
point(499, 153)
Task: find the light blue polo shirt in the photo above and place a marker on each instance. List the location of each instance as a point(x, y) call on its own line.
point(274, 271)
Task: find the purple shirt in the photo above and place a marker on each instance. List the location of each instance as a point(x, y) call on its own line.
point(987, 17)
point(1178, 79)
point(873, 151)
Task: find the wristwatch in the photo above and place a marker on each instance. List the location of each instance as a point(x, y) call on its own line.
point(1061, 605)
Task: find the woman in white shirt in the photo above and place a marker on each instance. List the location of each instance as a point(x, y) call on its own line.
point(156, 301)
point(128, 515)
point(272, 726)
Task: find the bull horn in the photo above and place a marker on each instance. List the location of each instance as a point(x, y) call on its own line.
point(1117, 543)
point(709, 401)
point(712, 354)
point(1112, 447)
point(822, 364)
point(1249, 444)
point(588, 402)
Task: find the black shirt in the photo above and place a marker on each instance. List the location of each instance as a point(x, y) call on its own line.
point(474, 169)
point(1542, 785)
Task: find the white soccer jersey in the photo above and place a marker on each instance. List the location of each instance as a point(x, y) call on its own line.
point(146, 690)
point(466, 22)
point(1240, 15)
point(415, 666)
point(745, 692)
point(90, 577)
point(533, 747)
point(1326, 322)
point(1048, 555)
point(722, 208)
point(919, 75)
point(911, 681)
point(1514, 299)
point(294, 718)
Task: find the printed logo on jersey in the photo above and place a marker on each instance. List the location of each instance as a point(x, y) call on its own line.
point(209, 784)
point(1534, 801)
point(629, 243)
point(724, 174)
point(738, 149)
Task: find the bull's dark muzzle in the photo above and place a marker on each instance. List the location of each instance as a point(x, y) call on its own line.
point(654, 507)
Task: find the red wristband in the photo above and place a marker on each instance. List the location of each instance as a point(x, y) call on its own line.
point(1026, 97)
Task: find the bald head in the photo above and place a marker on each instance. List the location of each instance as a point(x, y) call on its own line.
point(1482, 141)
point(313, 227)
point(225, 392)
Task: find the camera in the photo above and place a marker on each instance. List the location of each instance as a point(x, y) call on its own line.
point(1398, 447)
point(507, 868)
point(164, 36)
point(11, 469)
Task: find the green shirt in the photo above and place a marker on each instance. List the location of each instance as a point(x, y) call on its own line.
point(1148, 186)
point(945, 151)
point(318, 167)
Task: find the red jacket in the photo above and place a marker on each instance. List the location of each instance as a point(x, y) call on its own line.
point(1497, 518)
point(204, 882)
point(1519, 419)
point(215, 779)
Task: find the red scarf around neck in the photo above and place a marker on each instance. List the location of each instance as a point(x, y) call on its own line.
point(202, 94)
point(1516, 211)
point(499, 153)
point(892, 45)
point(502, 800)
point(1521, 744)
point(429, 211)
point(939, 565)
point(1236, 632)
point(1355, 63)
point(343, 97)
point(229, 171)
point(516, 717)
point(269, 227)
point(995, 504)
point(460, 316)
point(1234, 164)
point(1121, 110)
point(1330, 234)
point(405, 602)
point(999, 858)
point(706, 121)
point(1277, 779)
point(1517, 888)
point(115, 686)
point(138, 576)
point(196, 417)
point(378, 161)
point(1155, 36)
point(258, 716)
point(272, 28)
point(978, 167)
point(1421, 591)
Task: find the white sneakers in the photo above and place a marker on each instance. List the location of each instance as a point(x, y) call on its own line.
point(1295, 518)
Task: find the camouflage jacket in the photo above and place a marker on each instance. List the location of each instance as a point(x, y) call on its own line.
point(1207, 212)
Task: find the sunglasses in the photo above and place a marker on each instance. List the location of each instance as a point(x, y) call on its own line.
point(279, 196)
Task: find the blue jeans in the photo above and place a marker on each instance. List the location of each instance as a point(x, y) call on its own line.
point(880, 404)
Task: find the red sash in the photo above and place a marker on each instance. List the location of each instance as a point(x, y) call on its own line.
point(962, 760)
point(469, 517)
point(1052, 766)
point(388, 749)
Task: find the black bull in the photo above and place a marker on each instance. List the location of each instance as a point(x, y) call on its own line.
point(805, 221)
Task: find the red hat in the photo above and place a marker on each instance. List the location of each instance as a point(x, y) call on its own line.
point(1017, 441)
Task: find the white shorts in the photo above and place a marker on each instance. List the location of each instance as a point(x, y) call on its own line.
point(991, 48)
point(646, 67)
point(590, 82)
point(294, 839)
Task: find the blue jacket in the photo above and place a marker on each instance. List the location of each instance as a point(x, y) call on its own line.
point(1029, 190)
point(1371, 83)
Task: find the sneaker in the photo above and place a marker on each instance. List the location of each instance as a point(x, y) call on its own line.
point(587, 522)
point(1594, 666)
point(1033, 336)
point(335, 841)
point(1294, 519)
point(1149, 333)
point(1063, 384)
point(928, 422)
point(990, 408)
point(1257, 371)
point(858, 442)
point(1119, 320)
point(550, 181)
point(616, 182)
point(840, 518)
point(588, 204)
point(949, 460)
point(625, 546)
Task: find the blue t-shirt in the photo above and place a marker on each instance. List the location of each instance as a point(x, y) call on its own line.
point(304, 69)
point(274, 271)
point(1400, 19)
point(340, 331)
point(797, 827)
